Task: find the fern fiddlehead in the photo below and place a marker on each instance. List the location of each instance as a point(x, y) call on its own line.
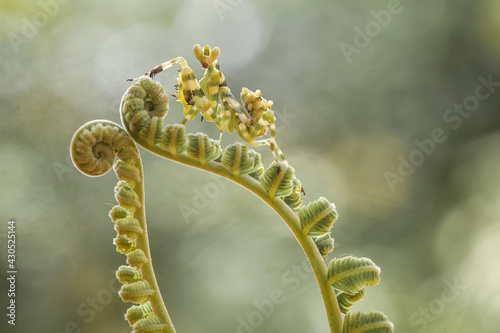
point(94, 149)
point(143, 109)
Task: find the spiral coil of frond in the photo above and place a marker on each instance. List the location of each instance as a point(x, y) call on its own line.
point(143, 107)
point(94, 149)
point(346, 300)
point(128, 154)
point(95, 146)
point(324, 244)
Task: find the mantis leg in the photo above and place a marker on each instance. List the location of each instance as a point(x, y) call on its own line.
point(160, 68)
point(249, 135)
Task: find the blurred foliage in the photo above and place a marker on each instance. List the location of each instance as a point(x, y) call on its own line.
point(341, 124)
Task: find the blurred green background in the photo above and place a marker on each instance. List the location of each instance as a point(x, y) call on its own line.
point(357, 87)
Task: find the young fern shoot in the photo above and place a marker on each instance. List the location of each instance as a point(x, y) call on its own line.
point(101, 145)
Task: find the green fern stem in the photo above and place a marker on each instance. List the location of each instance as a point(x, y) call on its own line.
point(279, 206)
point(148, 273)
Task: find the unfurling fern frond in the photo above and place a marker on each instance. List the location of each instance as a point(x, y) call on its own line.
point(174, 139)
point(129, 227)
point(324, 244)
point(371, 322)
point(127, 172)
point(204, 149)
point(294, 200)
point(258, 166)
point(351, 274)
point(317, 217)
point(346, 300)
point(117, 212)
point(128, 154)
point(126, 196)
point(128, 274)
point(136, 292)
point(137, 258)
point(150, 324)
point(278, 179)
point(143, 106)
point(95, 145)
point(237, 159)
point(151, 130)
point(124, 244)
point(138, 312)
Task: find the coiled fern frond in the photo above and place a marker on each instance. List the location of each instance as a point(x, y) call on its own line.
point(371, 322)
point(351, 274)
point(317, 217)
point(278, 179)
point(324, 244)
point(347, 300)
point(101, 145)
